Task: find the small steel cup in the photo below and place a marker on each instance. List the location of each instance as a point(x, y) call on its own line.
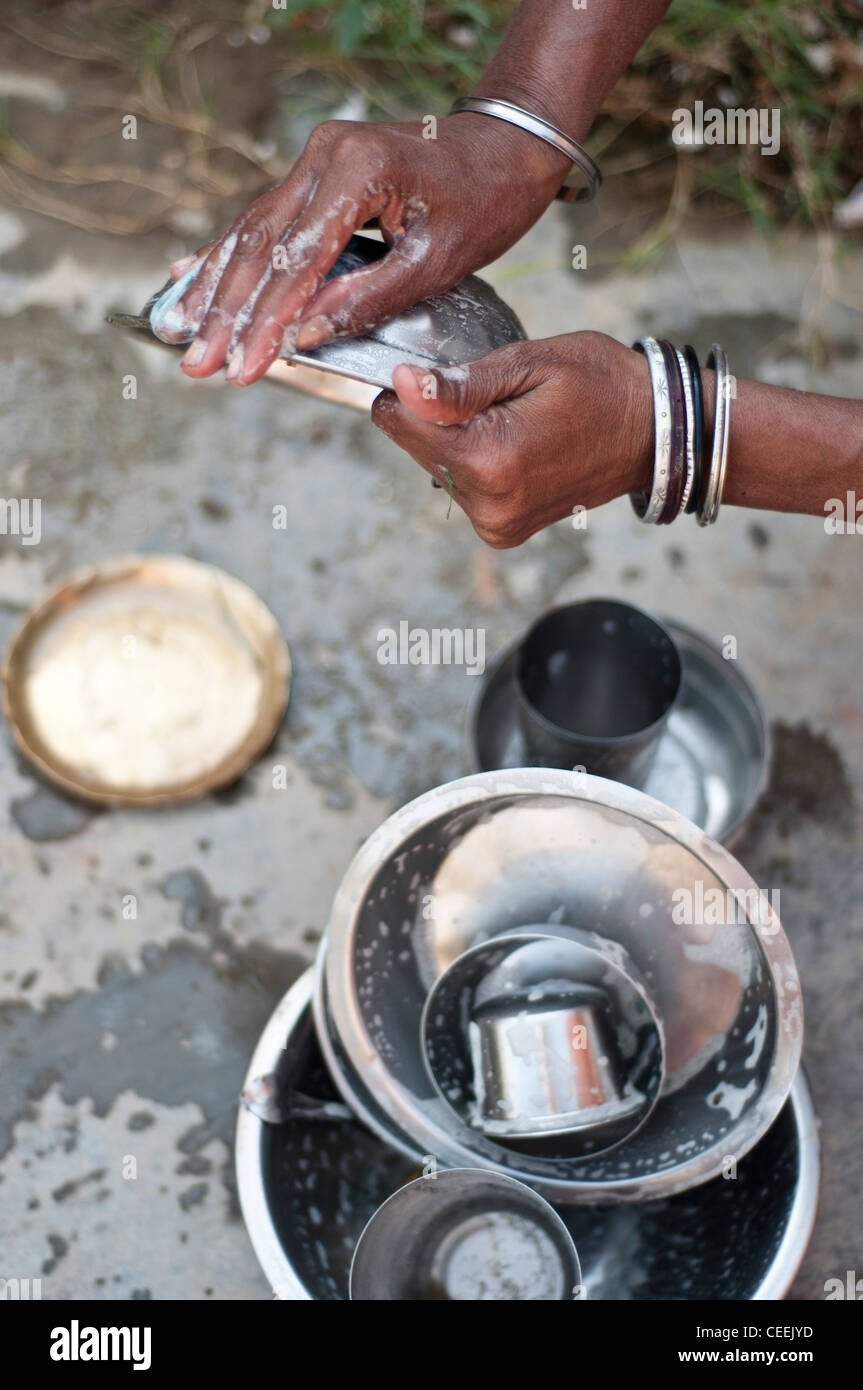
point(465, 1235)
point(596, 682)
point(544, 1067)
point(546, 1040)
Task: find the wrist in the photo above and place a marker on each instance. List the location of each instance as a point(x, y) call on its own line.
point(640, 428)
point(539, 100)
point(526, 158)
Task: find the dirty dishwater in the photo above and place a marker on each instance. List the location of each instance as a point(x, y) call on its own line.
point(146, 679)
point(445, 330)
point(462, 1235)
point(726, 1240)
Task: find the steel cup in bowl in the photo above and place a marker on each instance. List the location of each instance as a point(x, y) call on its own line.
point(545, 1041)
point(463, 1235)
point(595, 683)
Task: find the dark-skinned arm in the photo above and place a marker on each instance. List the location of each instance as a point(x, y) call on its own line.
point(536, 429)
point(446, 205)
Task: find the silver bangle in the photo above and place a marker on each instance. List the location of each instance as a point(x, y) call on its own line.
point(515, 115)
point(709, 510)
point(689, 403)
point(649, 509)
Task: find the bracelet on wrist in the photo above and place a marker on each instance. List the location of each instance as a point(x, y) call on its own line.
point(516, 115)
point(688, 469)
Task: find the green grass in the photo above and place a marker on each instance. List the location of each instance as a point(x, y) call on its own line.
point(759, 50)
point(411, 57)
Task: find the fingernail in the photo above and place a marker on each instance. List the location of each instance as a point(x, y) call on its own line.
point(235, 366)
point(314, 331)
point(195, 353)
point(425, 380)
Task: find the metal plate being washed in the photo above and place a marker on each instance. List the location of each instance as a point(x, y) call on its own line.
point(308, 1186)
point(446, 329)
point(713, 759)
point(146, 679)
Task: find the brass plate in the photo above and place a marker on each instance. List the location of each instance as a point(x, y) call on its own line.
point(146, 679)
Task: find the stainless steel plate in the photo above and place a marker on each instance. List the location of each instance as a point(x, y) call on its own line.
point(713, 759)
point(308, 1187)
point(146, 679)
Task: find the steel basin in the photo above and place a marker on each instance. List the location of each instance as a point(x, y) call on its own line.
point(487, 854)
point(308, 1187)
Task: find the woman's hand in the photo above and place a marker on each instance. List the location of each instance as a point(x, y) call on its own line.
point(528, 432)
point(445, 205)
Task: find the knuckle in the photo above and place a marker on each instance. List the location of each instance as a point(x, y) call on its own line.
point(355, 144)
point(385, 412)
point(494, 463)
point(255, 235)
point(494, 538)
point(498, 528)
point(323, 135)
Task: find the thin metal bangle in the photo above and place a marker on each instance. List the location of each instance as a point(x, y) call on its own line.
point(649, 509)
point(689, 402)
point(709, 509)
point(698, 403)
point(677, 475)
point(516, 115)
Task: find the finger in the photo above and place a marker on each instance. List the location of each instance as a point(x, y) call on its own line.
point(356, 302)
point(185, 304)
point(439, 450)
point(239, 275)
point(315, 243)
point(450, 395)
point(196, 258)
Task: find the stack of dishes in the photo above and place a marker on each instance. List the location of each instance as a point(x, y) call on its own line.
point(517, 979)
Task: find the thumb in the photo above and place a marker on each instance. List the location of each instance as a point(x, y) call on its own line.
point(450, 395)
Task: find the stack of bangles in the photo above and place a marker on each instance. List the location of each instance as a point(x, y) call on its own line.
point(688, 469)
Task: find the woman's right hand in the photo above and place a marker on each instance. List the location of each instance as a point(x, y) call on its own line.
point(445, 205)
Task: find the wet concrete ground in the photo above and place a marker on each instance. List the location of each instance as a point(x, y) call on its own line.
point(125, 1042)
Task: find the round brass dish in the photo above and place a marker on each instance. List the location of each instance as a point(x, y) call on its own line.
point(146, 679)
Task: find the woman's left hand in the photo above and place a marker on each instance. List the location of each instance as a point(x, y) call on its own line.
point(529, 432)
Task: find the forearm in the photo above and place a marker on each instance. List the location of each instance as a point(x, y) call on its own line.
point(790, 451)
point(560, 62)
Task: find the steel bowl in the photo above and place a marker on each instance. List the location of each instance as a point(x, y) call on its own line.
point(464, 1236)
point(487, 854)
point(308, 1186)
point(713, 759)
point(546, 1042)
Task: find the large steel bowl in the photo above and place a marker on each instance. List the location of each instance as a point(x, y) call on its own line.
point(308, 1186)
point(491, 853)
